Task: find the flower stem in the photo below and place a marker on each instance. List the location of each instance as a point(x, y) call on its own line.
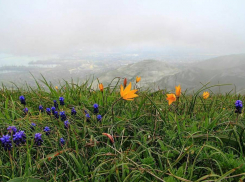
point(113, 107)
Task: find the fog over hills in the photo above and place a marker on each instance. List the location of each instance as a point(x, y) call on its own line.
point(221, 70)
point(160, 75)
point(150, 70)
point(155, 74)
point(222, 62)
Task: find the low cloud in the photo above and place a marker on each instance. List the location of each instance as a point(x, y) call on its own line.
point(59, 27)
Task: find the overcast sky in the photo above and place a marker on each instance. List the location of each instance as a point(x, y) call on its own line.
point(47, 27)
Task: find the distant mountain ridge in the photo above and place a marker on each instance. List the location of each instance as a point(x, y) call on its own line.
point(155, 74)
point(221, 62)
point(160, 75)
point(221, 70)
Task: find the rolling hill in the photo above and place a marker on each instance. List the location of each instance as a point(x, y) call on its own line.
point(155, 74)
point(150, 71)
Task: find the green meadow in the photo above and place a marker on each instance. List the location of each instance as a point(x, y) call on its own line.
point(146, 139)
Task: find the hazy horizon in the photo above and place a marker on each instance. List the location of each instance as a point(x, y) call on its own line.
point(67, 28)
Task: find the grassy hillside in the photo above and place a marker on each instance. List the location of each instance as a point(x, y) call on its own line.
point(193, 139)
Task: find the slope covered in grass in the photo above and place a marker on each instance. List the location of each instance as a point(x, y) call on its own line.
point(190, 140)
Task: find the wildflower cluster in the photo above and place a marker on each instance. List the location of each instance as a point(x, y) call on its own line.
point(66, 124)
point(99, 117)
point(12, 130)
point(40, 108)
point(22, 100)
point(38, 139)
point(96, 108)
point(96, 111)
point(19, 137)
point(238, 105)
point(48, 111)
point(6, 142)
point(46, 130)
point(62, 115)
point(62, 141)
point(174, 97)
point(56, 114)
point(25, 110)
point(33, 125)
point(53, 109)
point(87, 116)
point(56, 104)
point(62, 101)
point(73, 111)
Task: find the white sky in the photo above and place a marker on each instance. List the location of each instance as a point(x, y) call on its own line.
point(46, 27)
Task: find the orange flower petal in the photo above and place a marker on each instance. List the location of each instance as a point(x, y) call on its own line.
point(138, 79)
point(205, 95)
point(127, 93)
point(171, 98)
point(178, 90)
point(128, 88)
point(101, 87)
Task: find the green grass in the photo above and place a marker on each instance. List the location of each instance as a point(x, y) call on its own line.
point(194, 140)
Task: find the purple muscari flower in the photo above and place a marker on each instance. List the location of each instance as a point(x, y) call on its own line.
point(6, 142)
point(25, 110)
point(87, 117)
point(22, 100)
point(12, 129)
point(85, 111)
point(238, 105)
point(53, 109)
point(38, 139)
point(46, 130)
point(62, 141)
point(56, 104)
point(62, 115)
point(56, 114)
point(33, 125)
point(62, 101)
point(40, 108)
point(48, 111)
point(73, 111)
point(19, 137)
point(99, 117)
point(66, 124)
point(96, 108)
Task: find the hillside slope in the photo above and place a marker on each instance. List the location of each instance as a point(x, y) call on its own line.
point(150, 71)
point(193, 78)
point(221, 62)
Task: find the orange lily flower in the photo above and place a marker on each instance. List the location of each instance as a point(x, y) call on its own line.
point(178, 90)
point(56, 87)
point(127, 93)
point(138, 79)
point(205, 95)
point(171, 98)
point(101, 87)
point(125, 82)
